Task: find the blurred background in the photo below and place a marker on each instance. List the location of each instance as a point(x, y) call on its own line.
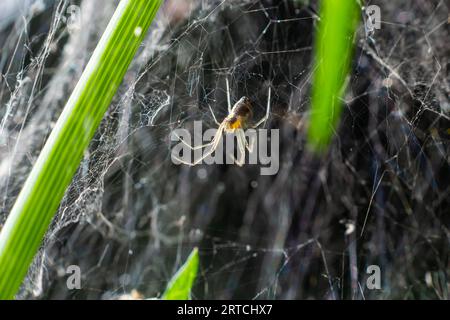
point(379, 196)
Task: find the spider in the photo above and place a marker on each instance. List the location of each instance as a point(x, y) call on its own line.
point(238, 119)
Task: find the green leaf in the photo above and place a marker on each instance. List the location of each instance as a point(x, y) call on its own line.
point(53, 171)
point(333, 54)
point(180, 286)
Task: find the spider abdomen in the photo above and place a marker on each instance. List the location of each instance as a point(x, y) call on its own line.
point(233, 122)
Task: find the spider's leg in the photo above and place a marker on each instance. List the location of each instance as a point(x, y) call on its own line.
point(214, 143)
point(217, 136)
point(196, 162)
point(228, 95)
point(241, 149)
point(250, 145)
point(241, 135)
point(214, 116)
point(241, 142)
point(191, 147)
point(188, 163)
point(267, 110)
point(236, 161)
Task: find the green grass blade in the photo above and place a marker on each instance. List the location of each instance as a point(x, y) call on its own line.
point(180, 286)
point(40, 197)
point(333, 54)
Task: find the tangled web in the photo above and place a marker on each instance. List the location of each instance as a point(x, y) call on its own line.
point(380, 196)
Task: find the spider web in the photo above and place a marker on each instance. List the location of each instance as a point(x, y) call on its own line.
point(380, 196)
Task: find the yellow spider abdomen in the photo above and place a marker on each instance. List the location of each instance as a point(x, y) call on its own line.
point(237, 124)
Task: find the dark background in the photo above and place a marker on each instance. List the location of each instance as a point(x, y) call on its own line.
point(379, 196)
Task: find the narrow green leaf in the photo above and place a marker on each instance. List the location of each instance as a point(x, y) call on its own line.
point(333, 54)
point(180, 286)
point(53, 171)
